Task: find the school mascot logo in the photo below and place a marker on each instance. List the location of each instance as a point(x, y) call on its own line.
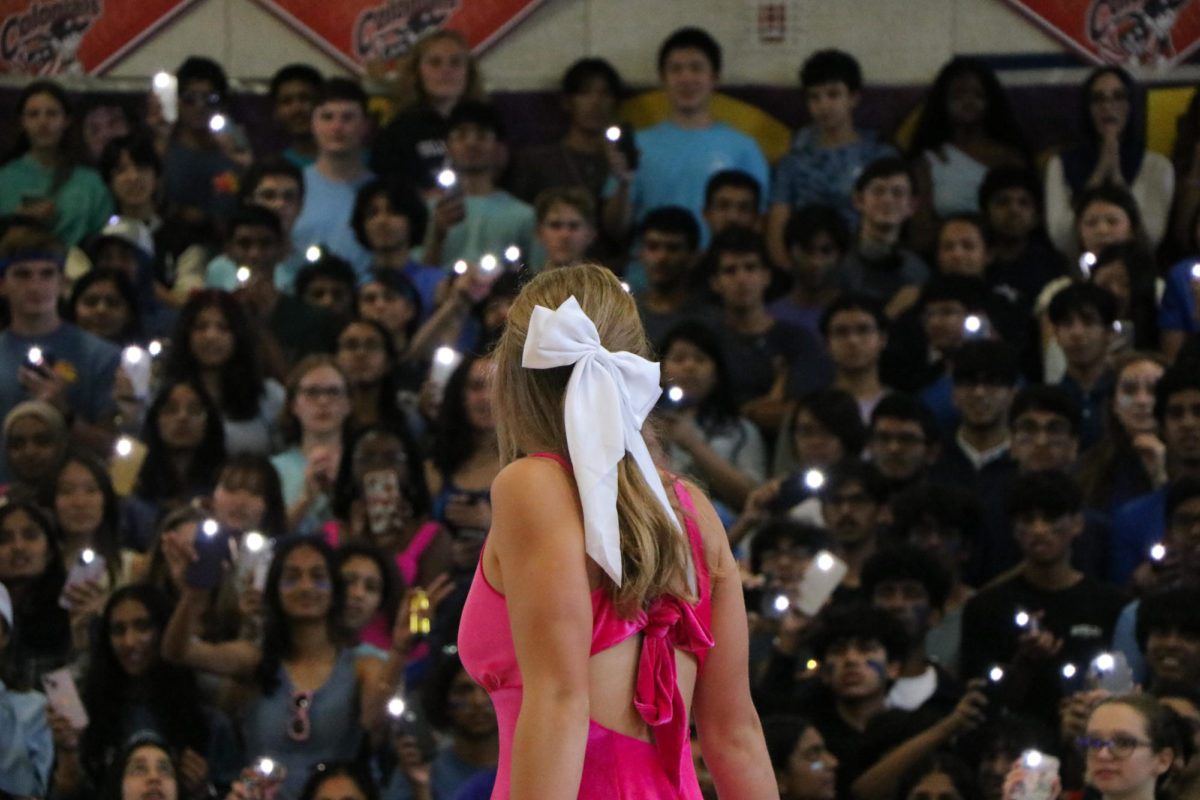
point(390, 29)
point(1132, 33)
point(371, 35)
point(45, 39)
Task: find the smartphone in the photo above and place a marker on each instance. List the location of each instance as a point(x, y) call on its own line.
point(64, 697)
point(1111, 672)
point(445, 361)
point(39, 359)
point(88, 567)
point(993, 688)
point(254, 554)
point(822, 577)
point(447, 179)
point(671, 399)
point(266, 772)
point(1035, 776)
point(797, 488)
point(136, 363)
point(622, 136)
point(1071, 679)
point(407, 721)
point(126, 464)
point(212, 550)
point(381, 493)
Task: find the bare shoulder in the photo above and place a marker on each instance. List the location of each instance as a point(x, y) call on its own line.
point(712, 530)
point(531, 493)
point(531, 477)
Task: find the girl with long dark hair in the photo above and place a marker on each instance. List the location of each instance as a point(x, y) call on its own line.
point(298, 686)
point(215, 345)
point(465, 455)
point(32, 571)
point(185, 445)
point(965, 128)
point(130, 690)
point(366, 353)
point(1112, 151)
point(42, 178)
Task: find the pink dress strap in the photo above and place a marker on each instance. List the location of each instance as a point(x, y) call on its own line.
point(554, 457)
point(409, 561)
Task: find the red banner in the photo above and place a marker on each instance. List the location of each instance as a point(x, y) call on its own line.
point(1134, 33)
point(359, 32)
point(74, 37)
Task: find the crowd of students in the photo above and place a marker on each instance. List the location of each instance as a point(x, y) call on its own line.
point(974, 382)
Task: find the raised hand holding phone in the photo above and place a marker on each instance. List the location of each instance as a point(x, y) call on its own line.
point(63, 697)
point(212, 551)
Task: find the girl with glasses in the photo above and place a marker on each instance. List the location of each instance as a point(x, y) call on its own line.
point(313, 423)
point(1129, 746)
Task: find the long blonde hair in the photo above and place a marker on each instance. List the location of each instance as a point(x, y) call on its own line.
point(529, 407)
point(411, 91)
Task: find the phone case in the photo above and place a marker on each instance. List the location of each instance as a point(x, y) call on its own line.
point(81, 573)
point(1118, 680)
point(823, 575)
point(211, 551)
point(138, 370)
point(124, 469)
point(381, 492)
point(64, 697)
point(252, 566)
point(1034, 782)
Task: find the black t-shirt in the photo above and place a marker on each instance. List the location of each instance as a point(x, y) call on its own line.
point(411, 148)
point(1082, 616)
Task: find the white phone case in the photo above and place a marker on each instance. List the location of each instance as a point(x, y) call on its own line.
point(823, 575)
point(81, 573)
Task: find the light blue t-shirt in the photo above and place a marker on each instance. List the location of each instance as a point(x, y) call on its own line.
point(221, 273)
point(86, 363)
point(674, 166)
point(290, 464)
point(26, 746)
point(494, 221)
point(325, 218)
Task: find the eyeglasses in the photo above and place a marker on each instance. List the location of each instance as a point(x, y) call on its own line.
point(317, 392)
point(300, 725)
point(1118, 746)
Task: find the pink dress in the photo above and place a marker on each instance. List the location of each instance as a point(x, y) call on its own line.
point(615, 765)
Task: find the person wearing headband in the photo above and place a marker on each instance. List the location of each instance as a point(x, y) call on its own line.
point(41, 356)
point(606, 612)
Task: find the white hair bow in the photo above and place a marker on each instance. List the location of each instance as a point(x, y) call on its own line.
point(608, 398)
